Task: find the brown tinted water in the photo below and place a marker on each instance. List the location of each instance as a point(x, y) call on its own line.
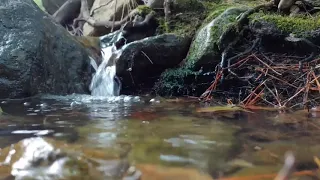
point(81, 137)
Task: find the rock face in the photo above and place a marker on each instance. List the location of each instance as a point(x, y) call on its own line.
point(148, 58)
point(105, 10)
point(37, 55)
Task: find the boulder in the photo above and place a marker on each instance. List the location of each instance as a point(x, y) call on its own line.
point(204, 49)
point(148, 58)
point(37, 55)
point(51, 6)
point(105, 10)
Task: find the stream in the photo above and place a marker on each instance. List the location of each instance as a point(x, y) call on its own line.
point(87, 137)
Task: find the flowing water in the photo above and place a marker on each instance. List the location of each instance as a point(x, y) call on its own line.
point(105, 82)
point(127, 137)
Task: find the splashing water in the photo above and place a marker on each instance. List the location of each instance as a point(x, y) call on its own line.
point(105, 82)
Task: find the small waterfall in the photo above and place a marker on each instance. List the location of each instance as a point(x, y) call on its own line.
point(105, 82)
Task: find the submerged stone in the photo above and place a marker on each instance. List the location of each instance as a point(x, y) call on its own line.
point(37, 55)
point(40, 158)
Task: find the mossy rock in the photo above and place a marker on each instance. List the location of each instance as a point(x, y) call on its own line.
point(297, 25)
point(183, 80)
point(204, 48)
point(174, 82)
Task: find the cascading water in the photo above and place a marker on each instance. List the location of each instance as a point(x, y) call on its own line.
point(105, 82)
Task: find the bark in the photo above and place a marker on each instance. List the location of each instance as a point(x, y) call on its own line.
point(167, 9)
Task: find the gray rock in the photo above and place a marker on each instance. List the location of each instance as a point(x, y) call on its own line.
point(37, 55)
point(148, 58)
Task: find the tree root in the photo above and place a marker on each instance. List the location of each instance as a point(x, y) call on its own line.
point(126, 22)
point(67, 12)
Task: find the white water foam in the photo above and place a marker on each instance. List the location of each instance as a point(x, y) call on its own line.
point(104, 82)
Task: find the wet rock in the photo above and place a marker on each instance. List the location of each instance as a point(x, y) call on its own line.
point(105, 10)
point(148, 58)
point(37, 55)
point(40, 158)
point(51, 6)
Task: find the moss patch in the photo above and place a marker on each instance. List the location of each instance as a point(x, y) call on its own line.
point(143, 10)
point(287, 24)
point(172, 81)
point(214, 10)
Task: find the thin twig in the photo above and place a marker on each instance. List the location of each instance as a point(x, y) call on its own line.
point(147, 57)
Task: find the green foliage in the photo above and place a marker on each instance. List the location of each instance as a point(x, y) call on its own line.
point(39, 3)
point(143, 10)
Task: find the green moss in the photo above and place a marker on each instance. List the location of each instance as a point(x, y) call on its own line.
point(222, 26)
point(287, 24)
point(143, 10)
point(215, 10)
point(173, 81)
point(208, 51)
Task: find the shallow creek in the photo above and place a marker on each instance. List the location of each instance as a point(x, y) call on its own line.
point(85, 137)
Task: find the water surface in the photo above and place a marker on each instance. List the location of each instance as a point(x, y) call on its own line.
point(133, 137)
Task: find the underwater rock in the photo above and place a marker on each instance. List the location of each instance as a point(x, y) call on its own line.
point(146, 59)
point(40, 158)
point(37, 55)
